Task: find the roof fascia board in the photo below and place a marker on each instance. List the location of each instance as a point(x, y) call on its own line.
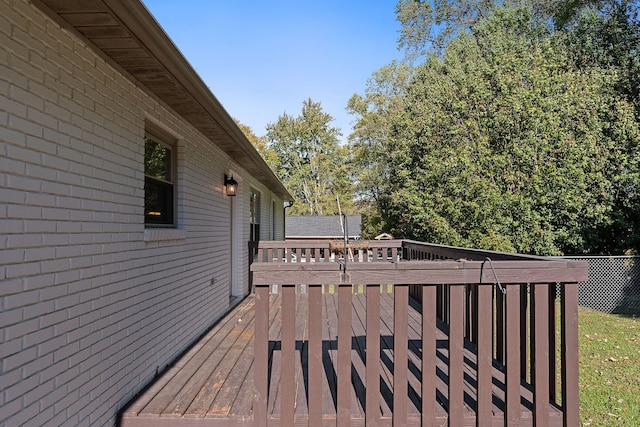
point(135, 16)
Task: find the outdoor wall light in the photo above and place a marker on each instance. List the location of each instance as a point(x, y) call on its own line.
point(231, 185)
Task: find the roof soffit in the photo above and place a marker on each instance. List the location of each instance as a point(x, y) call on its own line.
point(126, 34)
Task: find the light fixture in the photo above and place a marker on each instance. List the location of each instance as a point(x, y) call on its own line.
point(231, 185)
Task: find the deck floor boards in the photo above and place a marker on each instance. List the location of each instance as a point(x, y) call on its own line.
point(212, 383)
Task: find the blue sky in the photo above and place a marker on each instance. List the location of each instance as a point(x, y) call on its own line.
point(261, 58)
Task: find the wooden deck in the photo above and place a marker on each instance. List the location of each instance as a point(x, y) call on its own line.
point(212, 384)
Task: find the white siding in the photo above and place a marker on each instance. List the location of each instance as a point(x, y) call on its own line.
point(92, 305)
point(247, 185)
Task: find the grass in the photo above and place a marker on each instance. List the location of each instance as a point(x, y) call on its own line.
point(609, 369)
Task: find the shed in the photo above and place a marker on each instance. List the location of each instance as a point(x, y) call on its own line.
point(322, 227)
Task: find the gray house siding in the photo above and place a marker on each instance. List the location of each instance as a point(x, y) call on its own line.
point(93, 303)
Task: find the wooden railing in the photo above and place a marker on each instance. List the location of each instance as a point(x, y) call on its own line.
point(501, 306)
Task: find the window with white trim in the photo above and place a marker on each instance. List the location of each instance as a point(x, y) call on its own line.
point(254, 216)
point(159, 182)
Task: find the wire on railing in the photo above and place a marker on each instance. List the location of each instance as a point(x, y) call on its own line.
point(495, 275)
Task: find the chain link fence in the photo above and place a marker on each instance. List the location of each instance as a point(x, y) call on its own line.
point(613, 286)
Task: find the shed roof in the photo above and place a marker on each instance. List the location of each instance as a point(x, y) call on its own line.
point(126, 35)
point(322, 227)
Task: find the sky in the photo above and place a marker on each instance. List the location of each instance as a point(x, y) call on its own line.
point(262, 58)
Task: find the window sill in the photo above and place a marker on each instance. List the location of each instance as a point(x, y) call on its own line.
point(159, 234)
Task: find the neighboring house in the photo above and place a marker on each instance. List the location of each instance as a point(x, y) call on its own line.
point(322, 227)
point(119, 244)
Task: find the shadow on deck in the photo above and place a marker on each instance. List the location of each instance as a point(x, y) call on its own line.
point(213, 383)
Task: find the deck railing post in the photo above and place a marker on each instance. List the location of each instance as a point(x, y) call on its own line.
point(524, 331)
point(512, 356)
point(288, 349)
point(400, 354)
point(315, 355)
point(553, 371)
point(261, 356)
point(540, 353)
point(468, 314)
point(455, 299)
point(439, 301)
point(485, 356)
point(570, 360)
point(372, 398)
point(476, 322)
point(447, 304)
point(500, 325)
point(429, 339)
point(343, 410)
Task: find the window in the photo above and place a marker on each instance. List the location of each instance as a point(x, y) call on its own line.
point(254, 216)
point(159, 182)
point(274, 223)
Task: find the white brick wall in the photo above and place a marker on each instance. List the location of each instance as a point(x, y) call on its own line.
point(91, 306)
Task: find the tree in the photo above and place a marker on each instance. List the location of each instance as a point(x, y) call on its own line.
point(381, 101)
point(502, 145)
point(260, 144)
point(429, 26)
point(519, 131)
point(605, 35)
point(310, 161)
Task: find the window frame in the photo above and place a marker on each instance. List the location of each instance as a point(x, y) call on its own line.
point(170, 185)
point(254, 215)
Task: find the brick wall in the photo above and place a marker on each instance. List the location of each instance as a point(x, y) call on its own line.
point(91, 304)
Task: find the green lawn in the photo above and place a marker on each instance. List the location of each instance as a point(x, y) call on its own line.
point(609, 369)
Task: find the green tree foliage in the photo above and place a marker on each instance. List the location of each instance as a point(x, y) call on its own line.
point(605, 35)
point(608, 37)
point(382, 100)
point(504, 142)
point(311, 162)
point(429, 26)
point(260, 144)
